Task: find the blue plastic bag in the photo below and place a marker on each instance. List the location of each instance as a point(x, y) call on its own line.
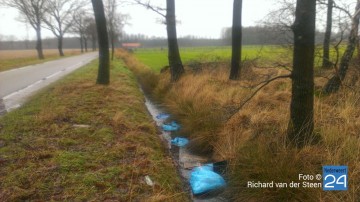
point(204, 179)
point(162, 116)
point(209, 167)
point(179, 141)
point(173, 126)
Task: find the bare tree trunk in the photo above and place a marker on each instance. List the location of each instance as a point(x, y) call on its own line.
point(334, 83)
point(81, 43)
point(112, 49)
point(112, 43)
point(326, 46)
point(39, 43)
point(32, 12)
point(358, 48)
point(176, 66)
point(301, 125)
point(85, 44)
point(104, 63)
point(236, 41)
point(60, 45)
point(93, 40)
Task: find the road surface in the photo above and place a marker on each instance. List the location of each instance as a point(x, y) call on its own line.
point(18, 84)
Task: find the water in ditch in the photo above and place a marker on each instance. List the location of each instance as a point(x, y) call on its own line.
point(183, 158)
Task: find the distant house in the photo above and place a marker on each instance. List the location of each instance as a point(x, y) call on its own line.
point(131, 46)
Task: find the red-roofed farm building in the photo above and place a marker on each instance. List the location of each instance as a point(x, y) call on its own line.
point(131, 46)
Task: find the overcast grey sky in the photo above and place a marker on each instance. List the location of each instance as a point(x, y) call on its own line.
point(204, 18)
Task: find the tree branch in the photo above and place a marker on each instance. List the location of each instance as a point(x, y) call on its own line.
point(337, 7)
point(264, 83)
point(151, 7)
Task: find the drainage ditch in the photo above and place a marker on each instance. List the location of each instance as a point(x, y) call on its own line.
point(186, 162)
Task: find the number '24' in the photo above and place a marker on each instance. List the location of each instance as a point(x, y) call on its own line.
point(338, 182)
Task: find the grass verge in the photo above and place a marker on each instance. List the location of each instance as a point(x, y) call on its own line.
point(20, 58)
point(78, 141)
point(253, 139)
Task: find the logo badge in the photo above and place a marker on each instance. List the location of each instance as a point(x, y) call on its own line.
point(335, 178)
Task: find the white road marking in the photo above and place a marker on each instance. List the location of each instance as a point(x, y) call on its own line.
point(17, 98)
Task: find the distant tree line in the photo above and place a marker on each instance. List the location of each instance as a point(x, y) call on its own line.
point(294, 23)
point(160, 42)
point(253, 35)
point(47, 43)
point(63, 17)
point(87, 39)
point(266, 35)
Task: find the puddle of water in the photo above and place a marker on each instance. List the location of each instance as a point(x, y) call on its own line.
point(182, 156)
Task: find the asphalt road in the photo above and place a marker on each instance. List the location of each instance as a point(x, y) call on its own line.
point(17, 84)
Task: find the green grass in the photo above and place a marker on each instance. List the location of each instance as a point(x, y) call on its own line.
point(266, 55)
point(157, 58)
point(45, 157)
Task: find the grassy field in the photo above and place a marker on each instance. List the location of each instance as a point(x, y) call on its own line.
point(253, 138)
point(157, 58)
point(264, 56)
point(11, 59)
point(78, 141)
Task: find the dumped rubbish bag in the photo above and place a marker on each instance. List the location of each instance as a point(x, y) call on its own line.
point(203, 179)
point(179, 141)
point(173, 126)
point(148, 181)
point(167, 127)
point(163, 116)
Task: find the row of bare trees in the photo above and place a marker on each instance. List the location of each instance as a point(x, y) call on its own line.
point(58, 18)
point(66, 16)
point(301, 124)
point(55, 15)
point(84, 25)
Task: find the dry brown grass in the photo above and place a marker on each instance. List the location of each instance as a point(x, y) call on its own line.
point(18, 58)
point(44, 156)
point(147, 78)
point(12, 54)
point(253, 139)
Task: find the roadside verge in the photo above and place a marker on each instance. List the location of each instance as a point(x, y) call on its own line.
point(80, 141)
